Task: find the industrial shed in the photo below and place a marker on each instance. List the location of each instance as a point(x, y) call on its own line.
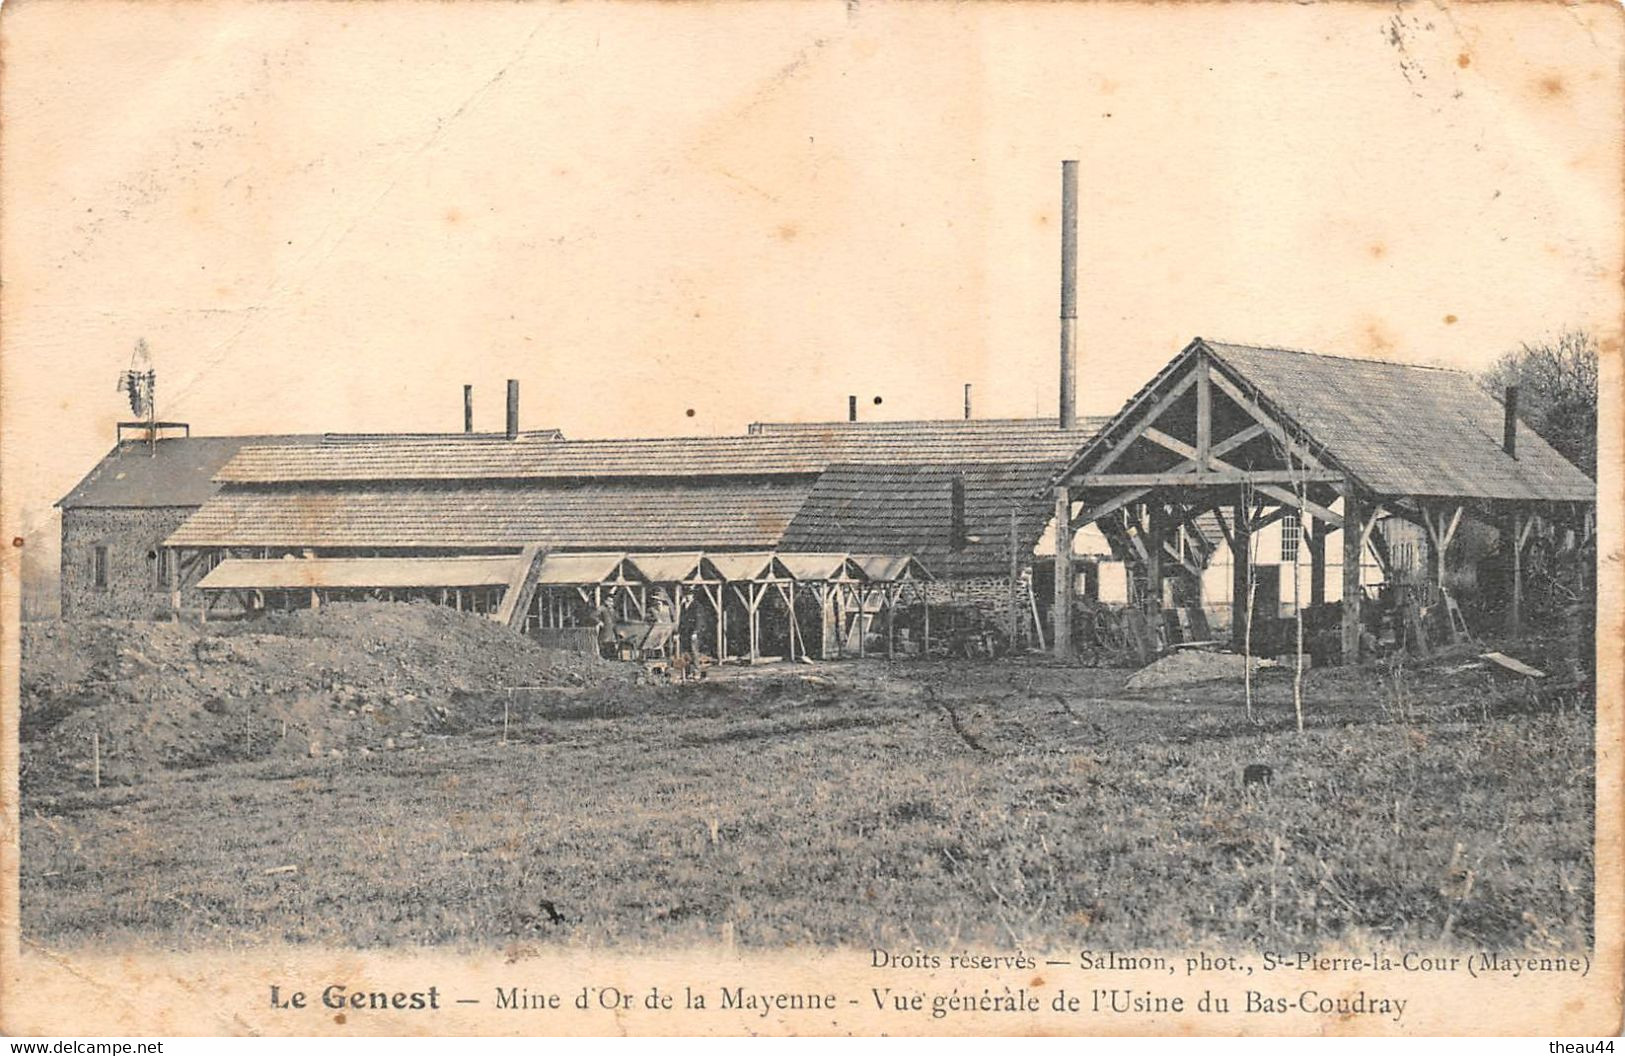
point(116, 522)
point(1247, 435)
point(876, 502)
point(973, 525)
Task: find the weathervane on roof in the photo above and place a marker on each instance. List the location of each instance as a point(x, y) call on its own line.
point(140, 383)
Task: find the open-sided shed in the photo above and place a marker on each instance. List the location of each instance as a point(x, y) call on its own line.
point(1246, 434)
point(475, 583)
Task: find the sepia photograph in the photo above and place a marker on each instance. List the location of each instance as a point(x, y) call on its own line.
point(811, 518)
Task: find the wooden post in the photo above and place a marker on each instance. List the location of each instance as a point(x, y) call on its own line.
point(891, 606)
point(1353, 551)
point(1015, 573)
point(755, 620)
point(1241, 539)
point(721, 600)
point(1512, 532)
point(1061, 610)
point(1316, 540)
point(790, 603)
point(172, 574)
point(1156, 533)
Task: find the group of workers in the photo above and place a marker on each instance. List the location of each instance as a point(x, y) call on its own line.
point(660, 622)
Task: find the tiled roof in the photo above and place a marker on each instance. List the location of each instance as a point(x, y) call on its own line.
point(906, 509)
point(748, 566)
point(177, 471)
point(670, 568)
point(599, 515)
point(580, 569)
point(373, 438)
point(820, 566)
point(986, 427)
point(778, 451)
point(888, 568)
point(180, 470)
point(1407, 430)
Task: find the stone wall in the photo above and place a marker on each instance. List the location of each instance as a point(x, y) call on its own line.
point(134, 538)
point(988, 594)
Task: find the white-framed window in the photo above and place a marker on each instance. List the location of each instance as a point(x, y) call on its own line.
point(1291, 534)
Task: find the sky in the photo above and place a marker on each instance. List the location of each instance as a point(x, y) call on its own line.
point(329, 217)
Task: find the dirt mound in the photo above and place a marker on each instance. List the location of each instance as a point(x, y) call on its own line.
point(1189, 666)
point(346, 678)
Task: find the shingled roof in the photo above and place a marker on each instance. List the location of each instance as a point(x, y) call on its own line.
point(177, 471)
point(769, 451)
point(1399, 429)
point(1404, 429)
point(622, 515)
point(908, 509)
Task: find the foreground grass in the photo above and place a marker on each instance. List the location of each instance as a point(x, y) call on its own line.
point(977, 804)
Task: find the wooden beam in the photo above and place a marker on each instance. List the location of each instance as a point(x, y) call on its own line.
point(1353, 551)
point(1191, 454)
point(1369, 522)
point(1111, 505)
point(1153, 555)
point(1302, 503)
point(1204, 416)
point(1515, 530)
point(1236, 439)
point(1132, 534)
point(1455, 521)
point(1172, 550)
point(1172, 443)
point(1061, 610)
point(1317, 565)
point(1184, 476)
point(1263, 520)
point(1271, 426)
point(1240, 559)
point(1224, 530)
point(1378, 542)
point(1154, 412)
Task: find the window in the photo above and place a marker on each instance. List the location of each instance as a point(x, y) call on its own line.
point(158, 568)
point(1291, 531)
point(98, 567)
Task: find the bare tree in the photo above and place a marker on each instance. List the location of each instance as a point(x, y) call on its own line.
point(1557, 392)
point(1299, 485)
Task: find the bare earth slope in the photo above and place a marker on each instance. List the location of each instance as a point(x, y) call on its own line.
point(857, 803)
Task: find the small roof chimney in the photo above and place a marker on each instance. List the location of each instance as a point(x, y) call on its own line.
point(468, 408)
point(851, 408)
point(1509, 436)
point(513, 408)
point(967, 401)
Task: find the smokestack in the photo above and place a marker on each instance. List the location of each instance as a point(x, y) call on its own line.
point(1509, 442)
point(513, 408)
point(1069, 294)
point(851, 408)
point(468, 408)
point(967, 401)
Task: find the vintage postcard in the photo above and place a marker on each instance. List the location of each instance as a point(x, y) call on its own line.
point(811, 518)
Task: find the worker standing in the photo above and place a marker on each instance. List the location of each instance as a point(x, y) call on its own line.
point(603, 618)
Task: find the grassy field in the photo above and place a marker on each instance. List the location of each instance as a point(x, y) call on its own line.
point(858, 804)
